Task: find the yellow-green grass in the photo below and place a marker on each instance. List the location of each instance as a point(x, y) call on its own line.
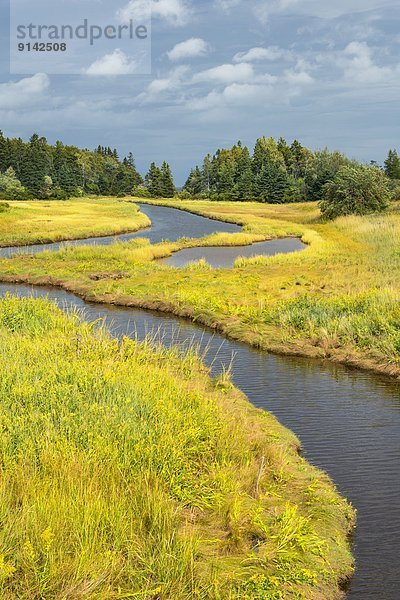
point(52, 221)
point(338, 299)
point(127, 472)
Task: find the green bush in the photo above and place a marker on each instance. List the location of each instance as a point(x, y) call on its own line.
point(355, 190)
point(58, 194)
point(142, 192)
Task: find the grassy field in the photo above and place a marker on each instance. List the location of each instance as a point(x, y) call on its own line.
point(51, 221)
point(127, 472)
point(339, 299)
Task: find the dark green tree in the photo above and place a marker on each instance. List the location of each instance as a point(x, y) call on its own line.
point(266, 151)
point(36, 165)
point(392, 165)
point(153, 181)
point(167, 181)
point(194, 183)
point(4, 153)
point(244, 177)
point(272, 183)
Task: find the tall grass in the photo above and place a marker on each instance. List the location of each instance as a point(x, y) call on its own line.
point(126, 472)
point(33, 222)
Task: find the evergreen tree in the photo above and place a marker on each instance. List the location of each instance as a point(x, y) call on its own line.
point(392, 165)
point(70, 169)
point(167, 181)
point(266, 151)
point(4, 153)
point(300, 160)
point(286, 152)
point(36, 165)
point(153, 181)
point(272, 183)
point(194, 183)
point(244, 177)
point(207, 174)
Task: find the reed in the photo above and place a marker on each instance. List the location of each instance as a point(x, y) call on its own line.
point(39, 222)
point(127, 472)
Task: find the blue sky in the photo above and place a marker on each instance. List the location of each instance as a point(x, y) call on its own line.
point(222, 70)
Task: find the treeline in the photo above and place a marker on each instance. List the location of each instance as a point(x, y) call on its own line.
point(36, 169)
point(275, 172)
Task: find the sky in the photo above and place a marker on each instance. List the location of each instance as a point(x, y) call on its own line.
point(325, 73)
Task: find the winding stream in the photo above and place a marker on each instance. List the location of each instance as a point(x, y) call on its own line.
point(347, 420)
point(225, 256)
point(167, 224)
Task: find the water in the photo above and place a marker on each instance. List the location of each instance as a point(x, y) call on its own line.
point(167, 224)
point(225, 257)
point(348, 422)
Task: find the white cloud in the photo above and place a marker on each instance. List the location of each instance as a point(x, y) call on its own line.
point(115, 63)
point(298, 77)
point(174, 12)
point(164, 85)
point(359, 65)
point(239, 73)
point(24, 92)
point(235, 94)
point(188, 49)
point(271, 53)
point(173, 80)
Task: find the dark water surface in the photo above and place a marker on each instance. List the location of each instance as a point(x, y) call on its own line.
point(347, 420)
point(225, 257)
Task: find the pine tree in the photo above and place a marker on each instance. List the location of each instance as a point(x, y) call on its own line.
point(130, 161)
point(244, 176)
point(266, 151)
point(286, 152)
point(272, 183)
point(153, 181)
point(167, 181)
point(194, 183)
point(36, 165)
point(226, 179)
point(4, 153)
point(392, 165)
point(207, 174)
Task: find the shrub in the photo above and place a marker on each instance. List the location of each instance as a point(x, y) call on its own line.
point(11, 188)
point(142, 192)
point(355, 190)
point(59, 194)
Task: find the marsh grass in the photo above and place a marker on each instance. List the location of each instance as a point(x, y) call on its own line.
point(290, 303)
point(126, 472)
point(37, 221)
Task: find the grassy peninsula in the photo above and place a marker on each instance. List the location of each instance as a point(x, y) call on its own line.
point(40, 221)
point(127, 472)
